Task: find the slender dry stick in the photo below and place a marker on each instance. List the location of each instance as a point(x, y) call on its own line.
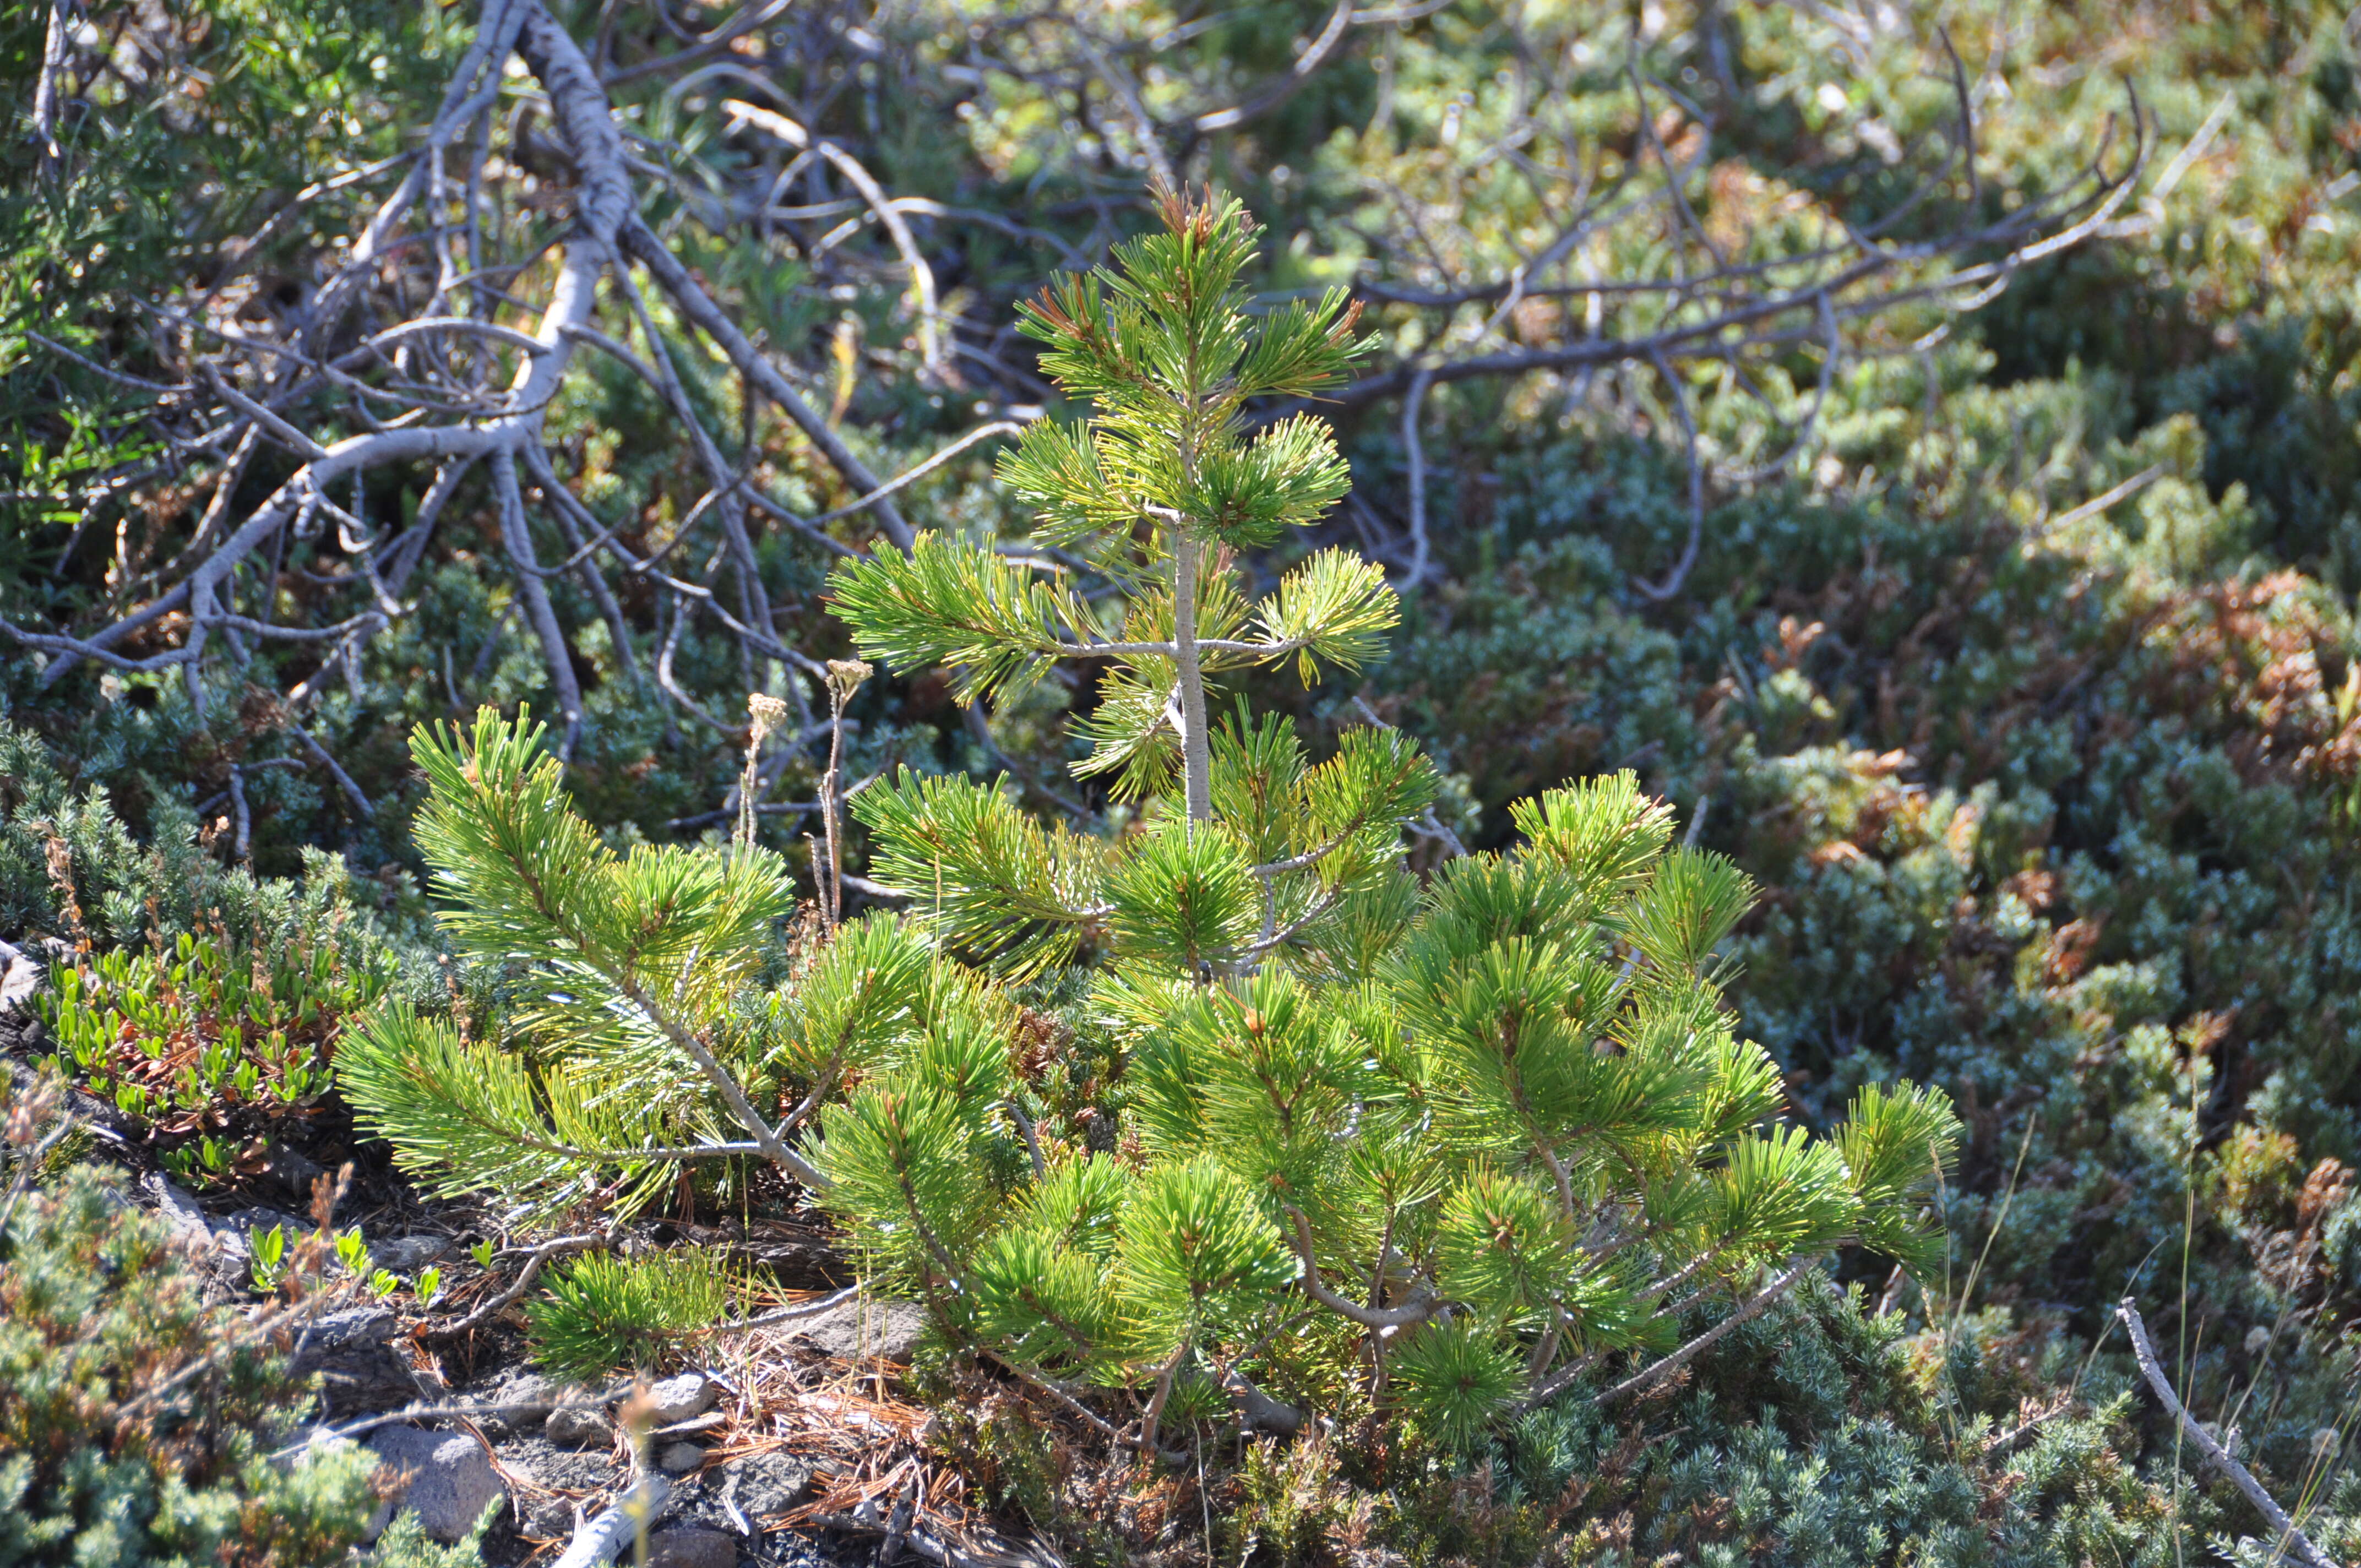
point(1119, 82)
point(464, 1410)
point(722, 1079)
point(1196, 745)
point(240, 850)
point(709, 317)
point(601, 1539)
point(2290, 1537)
point(796, 1313)
point(1064, 1396)
point(1960, 1308)
point(1754, 1307)
point(45, 95)
point(2182, 1352)
point(1678, 395)
point(1418, 1310)
point(561, 1247)
point(765, 712)
point(844, 678)
point(554, 649)
point(1031, 1136)
point(1738, 309)
point(1413, 405)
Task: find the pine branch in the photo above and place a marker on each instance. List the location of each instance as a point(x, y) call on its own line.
point(1747, 1312)
point(1090, 1418)
point(1412, 1312)
point(980, 871)
point(765, 1135)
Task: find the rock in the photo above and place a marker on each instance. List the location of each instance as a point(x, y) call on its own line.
point(21, 980)
point(348, 1330)
point(224, 1245)
point(175, 1207)
point(295, 1172)
point(691, 1549)
point(866, 1327)
point(319, 1439)
point(523, 1400)
point(527, 1397)
point(521, 1387)
point(680, 1458)
point(553, 1518)
point(407, 1254)
point(451, 1477)
point(761, 1486)
point(679, 1398)
point(579, 1428)
point(564, 1471)
point(248, 1221)
point(20, 976)
point(360, 1368)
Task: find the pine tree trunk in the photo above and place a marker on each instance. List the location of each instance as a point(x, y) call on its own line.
point(1195, 745)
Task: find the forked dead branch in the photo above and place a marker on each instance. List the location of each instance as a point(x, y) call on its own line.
point(432, 375)
point(458, 315)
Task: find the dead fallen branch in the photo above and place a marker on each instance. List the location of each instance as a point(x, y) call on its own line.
point(2285, 1535)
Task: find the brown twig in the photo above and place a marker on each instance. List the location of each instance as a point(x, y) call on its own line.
point(561, 1247)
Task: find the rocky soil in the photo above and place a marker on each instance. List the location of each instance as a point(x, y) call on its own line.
point(787, 1449)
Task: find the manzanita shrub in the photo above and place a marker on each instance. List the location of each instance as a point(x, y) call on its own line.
point(1476, 1139)
point(215, 1045)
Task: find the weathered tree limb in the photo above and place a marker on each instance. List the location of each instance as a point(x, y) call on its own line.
point(500, 428)
point(2286, 1535)
point(710, 319)
point(602, 1538)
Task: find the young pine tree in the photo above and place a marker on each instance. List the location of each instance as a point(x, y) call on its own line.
point(1490, 1136)
point(1499, 1125)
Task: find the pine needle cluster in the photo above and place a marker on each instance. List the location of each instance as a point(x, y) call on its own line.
point(607, 1313)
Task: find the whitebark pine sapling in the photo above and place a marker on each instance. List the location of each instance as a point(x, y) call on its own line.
point(1500, 1124)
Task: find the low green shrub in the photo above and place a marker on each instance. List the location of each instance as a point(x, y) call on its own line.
point(200, 1000)
point(136, 1422)
point(214, 1044)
